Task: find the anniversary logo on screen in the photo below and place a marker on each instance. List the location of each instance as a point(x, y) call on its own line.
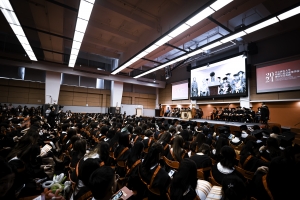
point(279, 77)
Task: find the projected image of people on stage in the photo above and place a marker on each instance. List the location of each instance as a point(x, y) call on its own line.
point(226, 77)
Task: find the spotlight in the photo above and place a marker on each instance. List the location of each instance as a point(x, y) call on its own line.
point(154, 80)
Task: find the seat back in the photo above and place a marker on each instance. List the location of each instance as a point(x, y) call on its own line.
point(248, 175)
point(214, 162)
point(170, 163)
point(200, 172)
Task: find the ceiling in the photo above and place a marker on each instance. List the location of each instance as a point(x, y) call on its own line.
point(119, 29)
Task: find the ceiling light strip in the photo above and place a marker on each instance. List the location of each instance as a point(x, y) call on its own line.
point(15, 25)
point(261, 25)
point(180, 29)
point(84, 14)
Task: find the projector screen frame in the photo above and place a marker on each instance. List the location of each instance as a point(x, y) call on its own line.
point(178, 83)
point(275, 62)
point(227, 95)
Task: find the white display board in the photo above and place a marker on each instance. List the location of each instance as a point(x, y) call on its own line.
point(130, 109)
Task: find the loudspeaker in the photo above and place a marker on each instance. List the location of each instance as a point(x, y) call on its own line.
point(248, 70)
point(252, 48)
point(189, 82)
point(189, 67)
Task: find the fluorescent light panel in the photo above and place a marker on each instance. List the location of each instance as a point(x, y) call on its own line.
point(74, 52)
point(81, 25)
point(14, 23)
point(22, 39)
point(183, 27)
point(10, 16)
point(213, 45)
point(17, 30)
point(232, 37)
point(142, 54)
point(200, 16)
point(85, 10)
point(76, 45)
point(262, 25)
point(290, 13)
point(151, 48)
point(84, 13)
point(6, 4)
point(163, 40)
point(78, 36)
point(179, 30)
point(220, 4)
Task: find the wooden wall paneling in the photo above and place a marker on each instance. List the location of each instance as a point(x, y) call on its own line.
point(3, 99)
point(107, 101)
point(65, 102)
point(4, 81)
point(19, 83)
point(289, 95)
point(80, 89)
point(66, 88)
point(17, 100)
point(79, 103)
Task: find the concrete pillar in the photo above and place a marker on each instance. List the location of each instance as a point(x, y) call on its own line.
point(157, 99)
point(245, 101)
point(53, 80)
point(116, 95)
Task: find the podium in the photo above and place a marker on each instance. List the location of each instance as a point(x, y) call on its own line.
point(157, 112)
point(213, 88)
point(187, 115)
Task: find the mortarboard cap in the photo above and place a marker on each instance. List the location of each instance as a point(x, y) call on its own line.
point(243, 127)
point(258, 133)
point(235, 74)
point(241, 72)
point(228, 74)
point(225, 78)
point(287, 136)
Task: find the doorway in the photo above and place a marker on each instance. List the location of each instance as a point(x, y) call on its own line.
point(139, 112)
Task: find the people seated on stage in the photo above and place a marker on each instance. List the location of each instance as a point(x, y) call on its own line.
point(214, 114)
point(199, 113)
point(257, 115)
point(167, 112)
point(219, 115)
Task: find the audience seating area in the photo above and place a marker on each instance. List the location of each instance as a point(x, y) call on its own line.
point(95, 156)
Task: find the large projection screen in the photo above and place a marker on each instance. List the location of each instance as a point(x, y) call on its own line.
point(226, 78)
point(180, 91)
point(278, 77)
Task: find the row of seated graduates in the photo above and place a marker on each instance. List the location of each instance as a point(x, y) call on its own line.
point(124, 148)
point(20, 110)
point(177, 146)
point(238, 114)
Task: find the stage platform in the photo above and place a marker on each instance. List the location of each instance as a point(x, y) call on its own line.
point(216, 122)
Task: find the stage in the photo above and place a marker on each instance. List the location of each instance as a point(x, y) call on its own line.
point(224, 123)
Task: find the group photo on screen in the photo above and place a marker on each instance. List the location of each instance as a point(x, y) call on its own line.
point(226, 77)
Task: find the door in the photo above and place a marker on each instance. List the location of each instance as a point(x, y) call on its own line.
point(139, 112)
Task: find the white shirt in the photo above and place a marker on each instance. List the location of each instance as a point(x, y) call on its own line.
point(244, 134)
